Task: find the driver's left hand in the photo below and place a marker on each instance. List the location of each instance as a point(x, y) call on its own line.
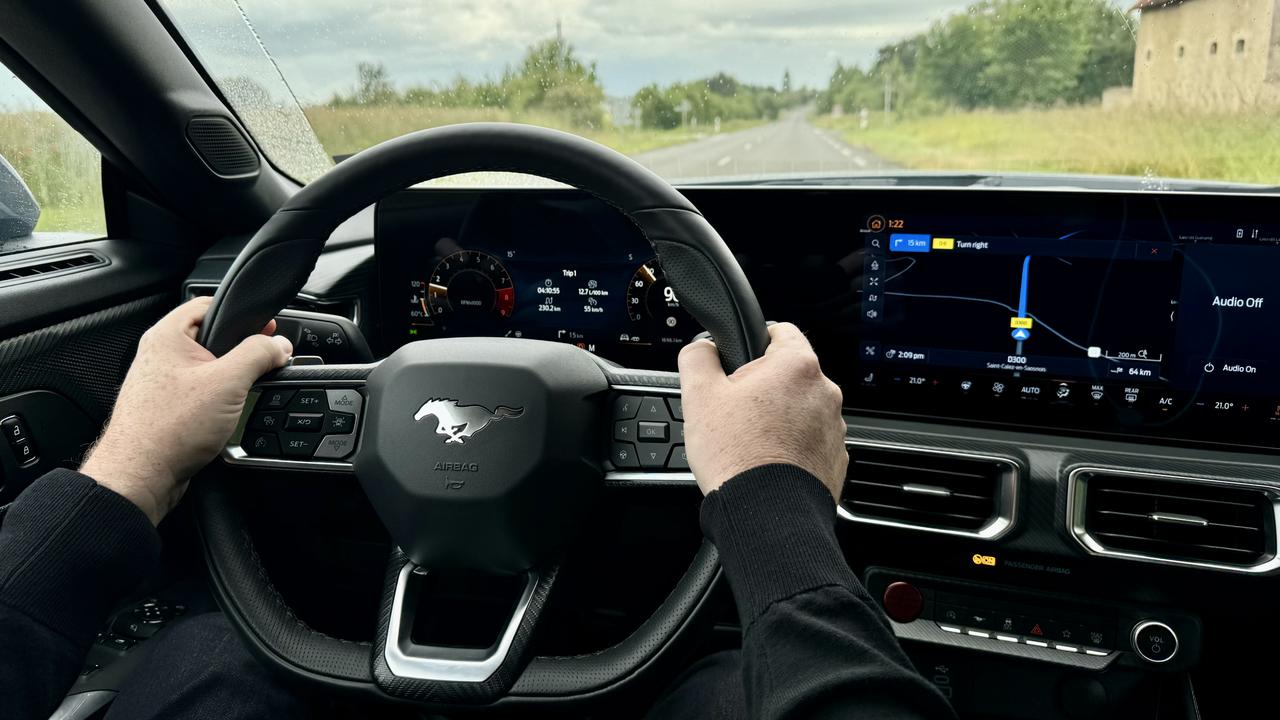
point(177, 408)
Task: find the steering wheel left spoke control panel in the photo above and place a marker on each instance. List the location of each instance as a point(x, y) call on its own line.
point(297, 424)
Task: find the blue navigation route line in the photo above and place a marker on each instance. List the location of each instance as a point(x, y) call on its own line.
point(1021, 334)
point(1022, 294)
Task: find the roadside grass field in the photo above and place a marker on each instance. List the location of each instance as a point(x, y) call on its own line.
point(61, 168)
point(1242, 147)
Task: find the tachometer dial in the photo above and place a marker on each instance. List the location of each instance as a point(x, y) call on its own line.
point(651, 301)
point(469, 282)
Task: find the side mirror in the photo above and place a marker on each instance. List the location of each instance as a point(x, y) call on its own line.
point(19, 210)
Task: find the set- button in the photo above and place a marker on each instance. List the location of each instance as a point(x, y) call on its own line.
point(303, 423)
point(648, 433)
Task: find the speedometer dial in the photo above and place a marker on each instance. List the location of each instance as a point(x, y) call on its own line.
point(653, 307)
point(470, 283)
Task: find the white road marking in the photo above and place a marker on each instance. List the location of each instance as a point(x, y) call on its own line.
point(846, 152)
point(724, 161)
point(860, 161)
point(746, 146)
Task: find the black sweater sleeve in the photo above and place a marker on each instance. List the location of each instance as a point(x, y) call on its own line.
point(69, 551)
point(814, 643)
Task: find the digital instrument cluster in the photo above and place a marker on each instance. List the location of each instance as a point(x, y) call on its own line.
point(1135, 314)
point(560, 267)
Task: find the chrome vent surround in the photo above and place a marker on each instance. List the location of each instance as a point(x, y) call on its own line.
point(940, 491)
point(33, 269)
point(1196, 522)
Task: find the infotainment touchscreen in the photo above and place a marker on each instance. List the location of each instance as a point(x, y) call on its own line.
point(1134, 315)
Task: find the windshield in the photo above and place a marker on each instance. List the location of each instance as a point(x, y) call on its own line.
point(1059, 92)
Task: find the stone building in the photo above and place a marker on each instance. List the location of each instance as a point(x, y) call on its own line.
point(1210, 55)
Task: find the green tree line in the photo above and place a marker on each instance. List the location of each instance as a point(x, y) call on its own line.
point(552, 79)
point(996, 54)
point(720, 96)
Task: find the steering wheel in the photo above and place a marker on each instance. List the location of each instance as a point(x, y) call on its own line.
point(504, 500)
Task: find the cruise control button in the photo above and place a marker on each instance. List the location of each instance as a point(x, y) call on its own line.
point(261, 444)
point(298, 445)
point(677, 407)
point(623, 455)
point(653, 456)
point(275, 398)
point(653, 408)
point(652, 431)
point(336, 446)
point(347, 401)
point(308, 401)
point(339, 423)
point(679, 459)
point(626, 407)
point(267, 421)
point(624, 430)
point(304, 422)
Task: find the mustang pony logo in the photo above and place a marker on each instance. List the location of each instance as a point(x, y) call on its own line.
point(459, 422)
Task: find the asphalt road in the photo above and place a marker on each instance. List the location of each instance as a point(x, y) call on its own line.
point(790, 145)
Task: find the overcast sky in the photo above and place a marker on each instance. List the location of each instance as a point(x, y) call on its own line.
point(317, 43)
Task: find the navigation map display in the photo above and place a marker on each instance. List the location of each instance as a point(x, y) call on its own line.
point(1119, 319)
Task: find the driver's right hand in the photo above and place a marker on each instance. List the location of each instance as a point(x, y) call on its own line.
point(779, 408)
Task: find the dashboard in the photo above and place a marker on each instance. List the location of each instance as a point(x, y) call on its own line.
point(1133, 314)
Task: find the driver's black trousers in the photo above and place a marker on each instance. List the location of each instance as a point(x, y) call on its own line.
point(199, 669)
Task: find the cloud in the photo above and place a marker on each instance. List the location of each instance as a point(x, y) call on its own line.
point(317, 43)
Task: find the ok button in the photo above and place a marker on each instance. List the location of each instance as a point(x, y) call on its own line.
point(652, 431)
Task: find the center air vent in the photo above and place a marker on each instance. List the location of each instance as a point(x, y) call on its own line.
point(952, 493)
point(1175, 520)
